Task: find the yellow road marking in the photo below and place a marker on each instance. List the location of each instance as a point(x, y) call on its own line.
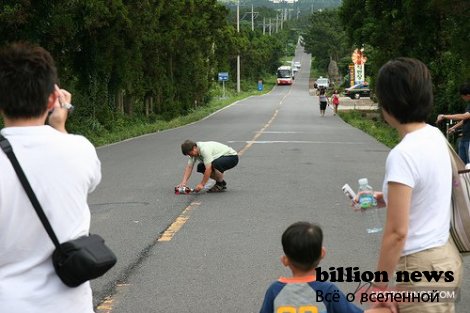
point(108, 303)
point(247, 146)
point(261, 131)
point(178, 223)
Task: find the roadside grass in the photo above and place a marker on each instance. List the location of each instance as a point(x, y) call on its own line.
point(371, 123)
point(132, 127)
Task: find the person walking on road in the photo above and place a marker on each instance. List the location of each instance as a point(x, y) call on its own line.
point(302, 243)
point(464, 122)
point(416, 192)
point(323, 99)
point(335, 101)
point(62, 169)
point(214, 159)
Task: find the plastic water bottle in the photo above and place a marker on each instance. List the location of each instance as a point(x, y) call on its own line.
point(368, 204)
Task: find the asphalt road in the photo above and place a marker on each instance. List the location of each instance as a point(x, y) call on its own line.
point(219, 252)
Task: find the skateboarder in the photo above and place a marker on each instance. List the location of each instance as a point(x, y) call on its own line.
point(214, 159)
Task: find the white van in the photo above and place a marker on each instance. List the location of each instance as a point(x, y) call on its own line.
point(323, 82)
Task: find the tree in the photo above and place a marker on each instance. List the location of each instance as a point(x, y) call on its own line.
point(433, 31)
point(125, 59)
point(325, 38)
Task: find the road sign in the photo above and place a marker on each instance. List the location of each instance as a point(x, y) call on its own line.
point(223, 76)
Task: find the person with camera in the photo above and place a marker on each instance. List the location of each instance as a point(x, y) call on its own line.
point(62, 169)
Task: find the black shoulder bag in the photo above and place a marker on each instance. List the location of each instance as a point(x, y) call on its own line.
point(75, 261)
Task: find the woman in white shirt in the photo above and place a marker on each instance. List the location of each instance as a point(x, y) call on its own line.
point(417, 187)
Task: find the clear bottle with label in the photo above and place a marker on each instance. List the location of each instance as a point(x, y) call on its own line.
point(368, 205)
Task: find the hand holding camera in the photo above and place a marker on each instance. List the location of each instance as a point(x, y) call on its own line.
point(64, 99)
point(62, 108)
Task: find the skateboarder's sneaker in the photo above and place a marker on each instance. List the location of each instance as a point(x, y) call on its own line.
point(223, 184)
point(217, 188)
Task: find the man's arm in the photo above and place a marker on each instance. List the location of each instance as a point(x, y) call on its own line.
point(205, 178)
point(57, 119)
point(187, 173)
point(454, 128)
point(396, 227)
point(59, 113)
point(457, 117)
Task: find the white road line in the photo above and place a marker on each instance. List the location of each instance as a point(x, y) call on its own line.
point(301, 141)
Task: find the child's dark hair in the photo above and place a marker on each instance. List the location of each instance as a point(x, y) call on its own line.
point(302, 244)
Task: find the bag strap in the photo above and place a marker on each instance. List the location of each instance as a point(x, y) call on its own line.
point(7, 148)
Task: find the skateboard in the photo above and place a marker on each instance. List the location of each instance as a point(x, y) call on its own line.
point(183, 190)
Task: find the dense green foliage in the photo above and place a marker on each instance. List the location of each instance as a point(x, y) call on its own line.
point(132, 126)
point(325, 39)
point(436, 32)
point(140, 59)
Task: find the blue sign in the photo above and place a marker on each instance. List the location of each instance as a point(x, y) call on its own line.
point(223, 76)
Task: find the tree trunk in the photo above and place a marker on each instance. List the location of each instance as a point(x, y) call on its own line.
point(147, 106)
point(128, 104)
point(120, 101)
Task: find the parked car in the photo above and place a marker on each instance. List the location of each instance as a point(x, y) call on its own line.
point(357, 91)
point(323, 82)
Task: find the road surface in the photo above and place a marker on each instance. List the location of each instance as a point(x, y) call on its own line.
point(219, 252)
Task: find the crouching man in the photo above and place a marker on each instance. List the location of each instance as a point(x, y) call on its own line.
point(214, 159)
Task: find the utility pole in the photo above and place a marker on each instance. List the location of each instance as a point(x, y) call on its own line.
point(238, 56)
point(282, 20)
point(264, 26)
point(277, 25)
point(252, 19)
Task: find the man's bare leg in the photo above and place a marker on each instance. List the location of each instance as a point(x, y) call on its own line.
point(217, 176)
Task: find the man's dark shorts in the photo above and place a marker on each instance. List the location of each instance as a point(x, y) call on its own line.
point(221, 164)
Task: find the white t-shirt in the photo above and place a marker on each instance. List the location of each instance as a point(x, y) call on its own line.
point(62, 169)
point(421, 161)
